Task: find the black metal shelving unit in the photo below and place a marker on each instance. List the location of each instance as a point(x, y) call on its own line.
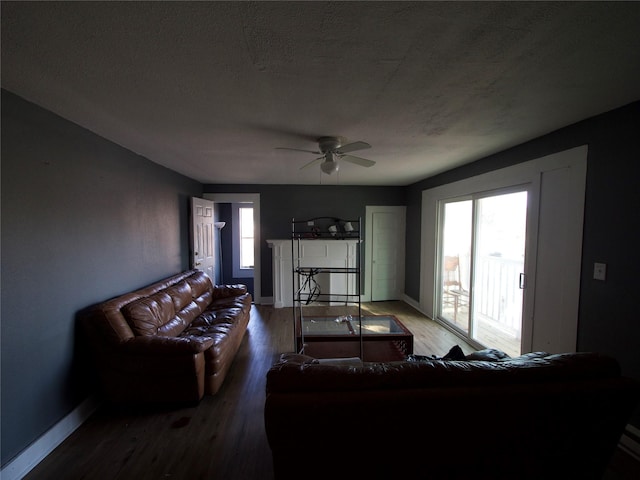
point(306, 290)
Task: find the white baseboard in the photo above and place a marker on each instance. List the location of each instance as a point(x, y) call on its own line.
point(410, 301)
point(24, 462)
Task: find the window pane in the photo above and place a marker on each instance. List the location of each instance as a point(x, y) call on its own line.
point(456, 253)
point(246, 237)
point(246, 256)
point(482, 259)
point(499, 261)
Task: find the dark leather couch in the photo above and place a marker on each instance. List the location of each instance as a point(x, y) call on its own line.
point(538, 416)
point(172, 341)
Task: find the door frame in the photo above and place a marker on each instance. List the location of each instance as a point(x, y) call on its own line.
point(555, 329)
point(531, 189)
point(247, 198)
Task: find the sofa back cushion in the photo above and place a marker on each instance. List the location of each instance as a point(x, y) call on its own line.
point(163, 308)
point(529, 368)
point(171, 310)
point(148, 315)
point(201, 290)
point(180, 294)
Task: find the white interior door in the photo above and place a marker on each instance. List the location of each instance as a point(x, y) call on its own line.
point(202, 236)
point(386, 252)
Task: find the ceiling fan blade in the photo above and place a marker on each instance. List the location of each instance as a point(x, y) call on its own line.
point(352, 147)
point(298, 150)
point(311, 163)
point(363, 162)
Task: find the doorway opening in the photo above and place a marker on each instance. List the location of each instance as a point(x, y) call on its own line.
point(232, 209)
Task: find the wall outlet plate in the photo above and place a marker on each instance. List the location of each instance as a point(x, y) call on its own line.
point(599, 271)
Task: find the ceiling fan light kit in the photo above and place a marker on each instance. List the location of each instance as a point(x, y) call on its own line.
point(330, 164)
point(332, 150)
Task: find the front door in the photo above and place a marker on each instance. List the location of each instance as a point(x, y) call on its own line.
point(202, 236)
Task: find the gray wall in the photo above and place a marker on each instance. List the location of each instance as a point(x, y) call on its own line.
point(608, 317)
point(280, 203)
point(82, 220)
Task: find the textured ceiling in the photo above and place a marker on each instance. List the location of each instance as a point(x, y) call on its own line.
point(210, 89)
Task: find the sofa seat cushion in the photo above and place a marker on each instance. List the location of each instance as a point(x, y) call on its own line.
point(226, 291)
point(213, 317)
point(216, 324)
point(242, 301)
point(225, 327)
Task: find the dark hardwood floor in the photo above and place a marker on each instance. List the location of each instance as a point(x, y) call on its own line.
point(223, 436)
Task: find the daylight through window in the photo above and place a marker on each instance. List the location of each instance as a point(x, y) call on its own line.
point(246, 237)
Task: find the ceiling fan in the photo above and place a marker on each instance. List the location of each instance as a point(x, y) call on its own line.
point(333, 149)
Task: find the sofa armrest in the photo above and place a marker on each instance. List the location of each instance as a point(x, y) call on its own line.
point(159, 345)
point(224, 291)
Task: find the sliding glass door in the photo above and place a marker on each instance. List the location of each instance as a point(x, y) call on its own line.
point(455, 261)
point(481, 259)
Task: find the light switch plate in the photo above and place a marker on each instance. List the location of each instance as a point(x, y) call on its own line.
point(599, 271)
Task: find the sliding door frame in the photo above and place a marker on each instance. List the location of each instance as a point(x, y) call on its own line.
point(530, 247)
point(557, 192)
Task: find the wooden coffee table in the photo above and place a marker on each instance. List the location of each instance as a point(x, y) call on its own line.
point(384, 338)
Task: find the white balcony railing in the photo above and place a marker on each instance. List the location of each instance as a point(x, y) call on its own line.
point(497, 301)
point(498, 297)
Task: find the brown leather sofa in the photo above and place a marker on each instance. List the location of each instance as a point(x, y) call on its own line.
point(538, 416)
point(172, 341)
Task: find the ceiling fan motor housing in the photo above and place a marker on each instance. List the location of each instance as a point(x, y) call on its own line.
point(329, 144)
